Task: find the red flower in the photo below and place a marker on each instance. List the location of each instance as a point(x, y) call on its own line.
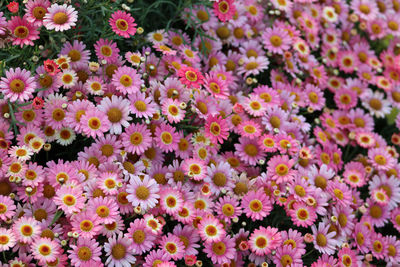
point(38, 103)
point(13, 7)
point(51, 67)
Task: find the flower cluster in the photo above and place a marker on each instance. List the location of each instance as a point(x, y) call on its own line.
point(268, 134)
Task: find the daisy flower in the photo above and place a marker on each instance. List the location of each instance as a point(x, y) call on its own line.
point(166, 138)
point(117, 251)
point(156, 257)
point(250, 129)
point(324, 240)
point(172, 246)
point(216, 129)
point(219, 177)
point(23, 33)
point(171, 200)
point(76, 52)
point(69, 199)
point(255, 105)
point(222, 251)
point(122, 24)
point(85, 224)
point(143, 239)
point(142, 106)
point(340, 193)
point(126, 80)
point(280, 169)
point(189, 237)
point(35, 10)
point(224, 9)
point(195, 169)
point(94, 123)
point(7, 208)
point(86, 252)
point(68, 78)
point(106, 210)
point(216, 85)
point(190, 77)
point(45, 249)
point(106, 49)
point(171, 109)
point(228, 208)
point(249, 150)
point(210, 229)
point(109, 183)
point(256, 204)
point(143, 192)
point(253, 66)
point(276, 40)
point(381, 159)
point(263, 240)
point(286, 256)
point(390, 185)
point(65, 136)
point(7, 239)
point(95, 86)
point(136, 139)
point(60, 17)
point(26, 229)
point(117, 110)
point(17, 85)
point(303, 215)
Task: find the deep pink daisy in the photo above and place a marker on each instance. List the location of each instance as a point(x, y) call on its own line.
point(35, 10)
point(106, 49)
point(216, 129)
point(122, 23)
point(256, 204)
point(17, 85)
point(126, 80)
point(224, 9)
point(94, 123)
point(211, 230)
point(85, 253)
point(190, 77)
point(263, 240)
point(143, 238)
point(276, 40)
point(23, 33)
point(166, 138)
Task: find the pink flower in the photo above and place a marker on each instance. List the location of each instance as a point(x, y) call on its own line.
point(256, 204)
point(60, 17)
point(224, 9)
point(122, 23)
point(7, 208)
point(211, 230)
point(190, 77)
point(216, 129)
point(85, 253)
point(18, 85)
point(136, 138)
point(263, 240)
point(166, 138)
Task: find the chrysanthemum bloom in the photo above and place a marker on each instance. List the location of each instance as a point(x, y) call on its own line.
point(17, 85)
point(256, 204)
point(143, 192)
point(166, 138)
point(136, 138)
point(224, 9)
point(216, 129)
point(122, 23)
point(23, 33)
point(142, 106)
point(381, 159)
point(7, 208)
point(7, 239)
point(249, 150)
point(117, 251)
point(222, 251)
point(348, 257)
point(143, 238)
point(190, 77)
point(117, 111)
point(173, 246)
point(126, 80)
point(26, 229)
point(60, 17)
point(85, 253)
point(105, 208)
point(45, 249)
point(86, 224)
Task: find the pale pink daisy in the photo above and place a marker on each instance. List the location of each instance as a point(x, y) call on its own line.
point(17, 85)
point(219, 177)
point(222, 251)
point(69, 199)
point(280, 169)
point(106, 49)
point(249, 150)
point(60, 17)
point(171, 109)
point(142, 237)
point(26, 229)
point(256, 204)
point(196, 169)
point(172, 246)
point(143, 192)
point(35, 10)
point(105, 209)
point(171, 200)
point(276, 40)
point(85, 224)
point(142, 106)
point(324, 241)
